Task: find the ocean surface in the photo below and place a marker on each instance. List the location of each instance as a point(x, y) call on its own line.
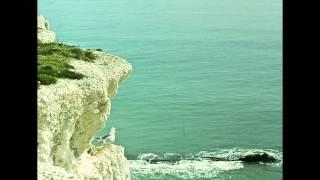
point(206, 81)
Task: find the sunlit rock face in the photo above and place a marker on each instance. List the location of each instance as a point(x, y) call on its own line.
point(44, 34)
point(71, 112)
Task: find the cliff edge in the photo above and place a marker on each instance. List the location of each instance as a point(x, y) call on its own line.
point(44, 34)
point(70, 113)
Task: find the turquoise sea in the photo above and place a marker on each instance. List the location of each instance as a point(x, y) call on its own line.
point(206, 81)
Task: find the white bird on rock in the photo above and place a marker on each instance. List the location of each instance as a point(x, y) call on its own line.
point(108, 139)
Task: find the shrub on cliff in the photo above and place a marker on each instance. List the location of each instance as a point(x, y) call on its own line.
point(89, 55)
point(65, 50)
point(53, 61)
point(46, 79)
point(70, 74)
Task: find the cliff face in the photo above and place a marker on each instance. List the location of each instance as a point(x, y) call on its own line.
point(44, 34)
point(70, 113)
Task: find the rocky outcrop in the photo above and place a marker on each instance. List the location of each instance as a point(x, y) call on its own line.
point(107, 164)
point(44, 34)
point(70, 113)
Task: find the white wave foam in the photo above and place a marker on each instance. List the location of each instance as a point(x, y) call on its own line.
point(194, 166)
point(147, 156)
point(184, 169)
point(236, 153)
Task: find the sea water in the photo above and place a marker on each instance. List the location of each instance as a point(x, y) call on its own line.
point(207, 79)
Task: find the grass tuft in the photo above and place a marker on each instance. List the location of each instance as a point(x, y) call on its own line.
point(53, 61)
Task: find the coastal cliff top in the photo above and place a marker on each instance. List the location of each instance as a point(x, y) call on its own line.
point(75, 91)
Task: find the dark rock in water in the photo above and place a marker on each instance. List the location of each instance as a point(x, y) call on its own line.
point(155, 161)
point(252, 158)
point(215, 158)
point(264, 157)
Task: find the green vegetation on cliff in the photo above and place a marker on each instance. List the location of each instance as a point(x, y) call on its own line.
point(53, 61)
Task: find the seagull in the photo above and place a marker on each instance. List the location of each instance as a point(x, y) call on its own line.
point(108, 139)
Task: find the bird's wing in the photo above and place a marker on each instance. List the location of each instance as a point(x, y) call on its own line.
point(105, 136)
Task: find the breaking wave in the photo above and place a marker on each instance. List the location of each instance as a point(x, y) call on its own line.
point(201, 165)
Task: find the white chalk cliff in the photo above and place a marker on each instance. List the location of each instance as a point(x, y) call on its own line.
point(70, 113)
point(44, 34)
